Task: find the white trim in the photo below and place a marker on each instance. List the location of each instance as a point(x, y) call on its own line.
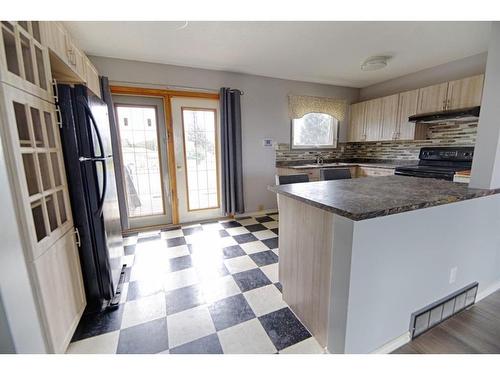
point(489, 290)
point(256, 213)
point(393, 344)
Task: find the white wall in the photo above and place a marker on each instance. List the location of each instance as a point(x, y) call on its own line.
point(264, 111)
point(466, 67)
point(486, 165)
point(401, 263)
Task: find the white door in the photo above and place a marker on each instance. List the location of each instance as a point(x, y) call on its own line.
point(197, 158)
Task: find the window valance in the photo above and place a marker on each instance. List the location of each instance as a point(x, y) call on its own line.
point(299, 105)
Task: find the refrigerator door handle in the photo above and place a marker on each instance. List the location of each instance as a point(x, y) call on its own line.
point(102, 159)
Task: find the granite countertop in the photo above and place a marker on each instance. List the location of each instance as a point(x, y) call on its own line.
point(370, 197)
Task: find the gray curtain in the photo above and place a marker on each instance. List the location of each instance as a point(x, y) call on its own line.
point(232, 172)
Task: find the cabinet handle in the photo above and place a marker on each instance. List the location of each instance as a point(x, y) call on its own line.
point(59, 117)
point(78, 239)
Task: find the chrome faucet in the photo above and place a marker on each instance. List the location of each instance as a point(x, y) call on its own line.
point(319, 159)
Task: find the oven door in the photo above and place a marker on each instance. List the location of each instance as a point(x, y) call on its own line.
point(424, 174)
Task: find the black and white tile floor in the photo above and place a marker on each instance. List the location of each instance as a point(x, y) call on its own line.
point(205, 288)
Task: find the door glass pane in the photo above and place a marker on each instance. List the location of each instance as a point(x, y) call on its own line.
point(27, 61)
point(44, 170)
point(37, 127)
point(41, 68)
point(23, 24)
point(55, 168)
point(62, 206)
point(36, 30)
point(38, 220)
point(201, 158)
point(50, 129)
point(22, 124)
point(9, 42)
point(141, 161)
point(51, 211)
point(30, 172)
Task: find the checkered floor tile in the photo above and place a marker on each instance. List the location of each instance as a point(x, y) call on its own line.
point(205, 288)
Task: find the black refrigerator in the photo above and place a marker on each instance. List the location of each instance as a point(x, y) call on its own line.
point(88, 155)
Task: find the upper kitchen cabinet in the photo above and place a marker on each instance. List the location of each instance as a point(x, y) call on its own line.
point(373, 116)
point(356, 131)
point(464, 93)
point(92, 77)
point(407, 107)
point(389, 117)
point(432, 98)
point(24, 61)
point(69, 63)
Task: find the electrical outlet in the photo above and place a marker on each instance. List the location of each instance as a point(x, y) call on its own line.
point(453, 275)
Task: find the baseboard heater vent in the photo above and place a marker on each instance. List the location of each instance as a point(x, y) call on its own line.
point(433, 314)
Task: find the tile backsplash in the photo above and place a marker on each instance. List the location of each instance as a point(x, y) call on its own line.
point(453, 134)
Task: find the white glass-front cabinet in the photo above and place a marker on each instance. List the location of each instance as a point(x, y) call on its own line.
point(24, 61)
point(32, 148)
point(38, 166)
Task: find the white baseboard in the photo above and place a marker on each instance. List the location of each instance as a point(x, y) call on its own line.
point(257, 213)
point(393, 344)
point(489, 290)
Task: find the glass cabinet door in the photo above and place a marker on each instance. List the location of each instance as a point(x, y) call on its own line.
point(24, 62)
point(35, 148)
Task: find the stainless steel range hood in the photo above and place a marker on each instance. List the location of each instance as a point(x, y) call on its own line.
point(462, 115)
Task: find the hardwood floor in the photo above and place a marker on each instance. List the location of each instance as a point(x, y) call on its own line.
point(476, 330)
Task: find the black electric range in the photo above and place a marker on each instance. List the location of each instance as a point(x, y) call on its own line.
point(439, 162)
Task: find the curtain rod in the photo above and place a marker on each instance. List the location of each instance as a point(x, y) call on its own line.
point(164, 85)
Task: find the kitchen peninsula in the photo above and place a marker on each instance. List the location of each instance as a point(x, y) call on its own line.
point(359, 256)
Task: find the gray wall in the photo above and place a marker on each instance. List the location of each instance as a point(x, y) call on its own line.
point(395, 270)
point(264, 111)
point(468, 66)
point(6, 341)
point(486, 164)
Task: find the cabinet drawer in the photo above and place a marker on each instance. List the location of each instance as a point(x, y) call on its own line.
point(373, 172)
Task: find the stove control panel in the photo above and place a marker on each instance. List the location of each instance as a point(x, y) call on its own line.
point(447, 153)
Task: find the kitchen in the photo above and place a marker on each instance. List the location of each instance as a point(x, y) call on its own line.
point(198, 272)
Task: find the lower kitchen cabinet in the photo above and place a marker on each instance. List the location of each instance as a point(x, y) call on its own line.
point(61, 292)
point(374, 172)
point(313, 173)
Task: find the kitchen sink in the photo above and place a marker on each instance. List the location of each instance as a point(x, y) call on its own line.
point(324, 165)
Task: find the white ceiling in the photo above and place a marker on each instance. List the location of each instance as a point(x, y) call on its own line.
point(324, 52)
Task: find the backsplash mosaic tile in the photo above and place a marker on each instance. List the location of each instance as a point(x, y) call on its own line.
point(459, 134)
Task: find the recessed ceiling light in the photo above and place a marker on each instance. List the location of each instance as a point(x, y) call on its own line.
point(375, 63)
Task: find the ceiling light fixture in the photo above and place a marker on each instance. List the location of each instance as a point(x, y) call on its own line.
point(375, 63)
point(184, 25)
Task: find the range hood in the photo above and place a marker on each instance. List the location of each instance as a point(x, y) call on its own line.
point(464, 114)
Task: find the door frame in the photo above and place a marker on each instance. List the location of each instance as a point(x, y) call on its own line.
point(166, 95)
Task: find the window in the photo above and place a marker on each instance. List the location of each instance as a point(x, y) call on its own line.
point(200, 148)
point(314, 130)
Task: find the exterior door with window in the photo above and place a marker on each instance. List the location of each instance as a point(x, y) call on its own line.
point(197, 157)
point(143, 140)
